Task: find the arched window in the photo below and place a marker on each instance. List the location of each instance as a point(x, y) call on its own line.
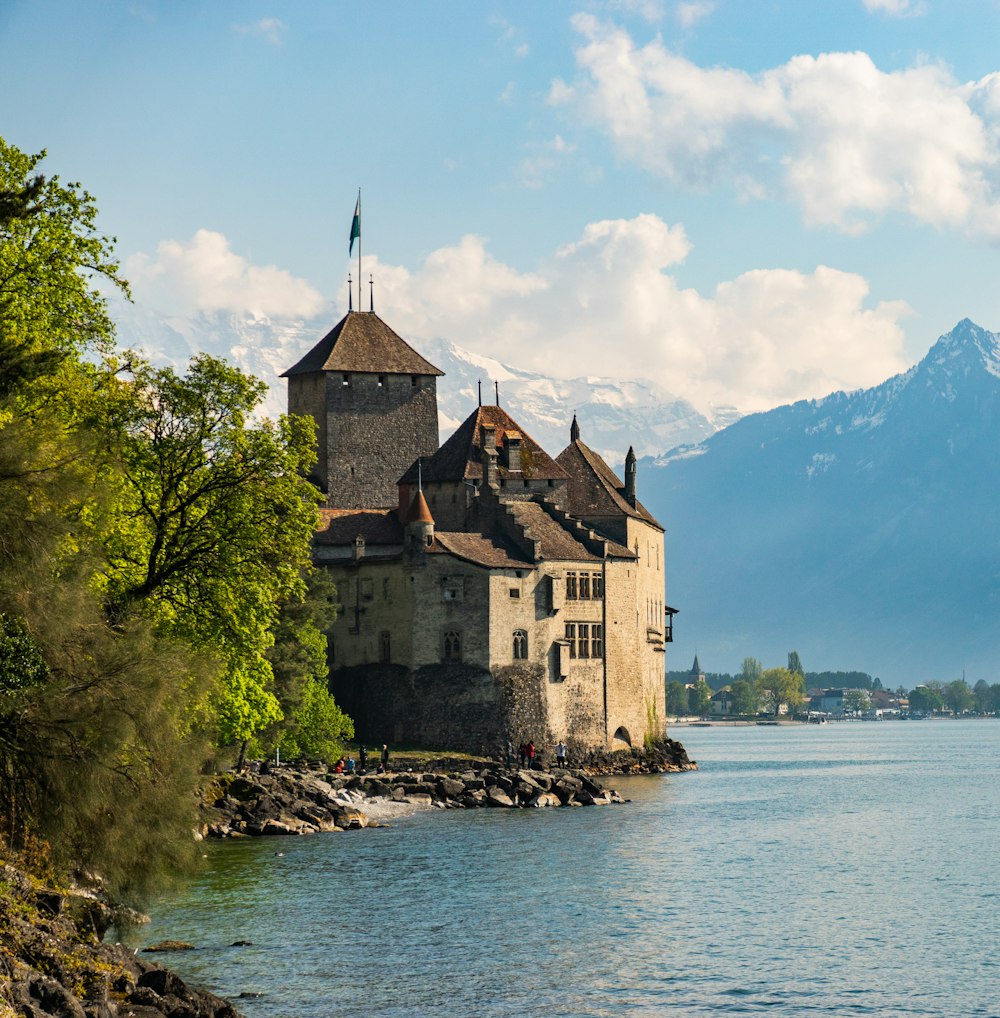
point(520, 645)
point(452, 646)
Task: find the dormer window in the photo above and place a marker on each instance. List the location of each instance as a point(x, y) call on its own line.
point(346, 380)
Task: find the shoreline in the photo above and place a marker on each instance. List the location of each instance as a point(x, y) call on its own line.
point(298, 799)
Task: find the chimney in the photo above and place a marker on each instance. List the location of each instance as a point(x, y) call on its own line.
point(630, 477)
point(488, 453)
point(358, 552)
point(512, 446)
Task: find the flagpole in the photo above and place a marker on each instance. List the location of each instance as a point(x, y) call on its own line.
point(359, 248)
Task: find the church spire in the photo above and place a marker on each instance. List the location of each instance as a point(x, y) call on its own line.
point(574, 431)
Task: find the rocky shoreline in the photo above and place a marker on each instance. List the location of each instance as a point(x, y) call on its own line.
point(53, 961)
point(302, 799)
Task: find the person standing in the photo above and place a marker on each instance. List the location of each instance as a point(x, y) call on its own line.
point(531, 754)
point(385, 757)
point(362, 759)
point(560, 753)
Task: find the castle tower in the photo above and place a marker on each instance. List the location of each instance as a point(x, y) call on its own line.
point(374, 401)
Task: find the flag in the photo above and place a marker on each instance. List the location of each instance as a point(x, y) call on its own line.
point(355, 226)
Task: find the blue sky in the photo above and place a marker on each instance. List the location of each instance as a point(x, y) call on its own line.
point(749, 202)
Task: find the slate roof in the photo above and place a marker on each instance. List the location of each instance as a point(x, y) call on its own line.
point(461, 458)
point(594, 489)
point(376, 526)
point(556, 541)
point(480, 549)
point(361, 341)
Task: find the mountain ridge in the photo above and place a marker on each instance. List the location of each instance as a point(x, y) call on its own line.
point(841, 521)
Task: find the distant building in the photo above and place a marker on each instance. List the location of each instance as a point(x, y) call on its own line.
point(490, 592)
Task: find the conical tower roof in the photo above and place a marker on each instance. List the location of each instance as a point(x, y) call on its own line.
point(361, 341)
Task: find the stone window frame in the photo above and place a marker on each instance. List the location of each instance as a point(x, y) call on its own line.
point(451, 645)
point(586, 640)
point(520, 644)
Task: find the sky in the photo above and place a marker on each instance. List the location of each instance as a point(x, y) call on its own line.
point(746, 202)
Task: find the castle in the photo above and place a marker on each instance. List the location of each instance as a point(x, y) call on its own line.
point(489, 592)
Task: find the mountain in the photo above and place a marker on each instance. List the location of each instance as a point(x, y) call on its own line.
point(613, 413)
point(861, 530)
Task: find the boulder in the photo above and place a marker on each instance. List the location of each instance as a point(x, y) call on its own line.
point(496, 796)
point(450, 788)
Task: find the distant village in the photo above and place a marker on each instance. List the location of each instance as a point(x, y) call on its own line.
point(820, 697)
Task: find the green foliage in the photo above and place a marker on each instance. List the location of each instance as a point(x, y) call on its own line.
point(779, 686)
point(925, 700)
point(794, 664)
point(840, 680)
point(212, 524)
point(317, 728)
point(958, 696)
point(699, 699)
point(149, 532)
point(21, 662)
point(52, 259)
point(746, 699)
point(751, 671)
point(677, 698)
point(857, 700)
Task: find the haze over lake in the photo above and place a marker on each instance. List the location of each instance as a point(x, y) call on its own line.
point(843, 869)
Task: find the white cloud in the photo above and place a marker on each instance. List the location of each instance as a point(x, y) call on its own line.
point(271, 30)
point(544, 159)
point(607, 304)
point(844, 140)
point(204, 274)
point(895, 8)
point(688, 14)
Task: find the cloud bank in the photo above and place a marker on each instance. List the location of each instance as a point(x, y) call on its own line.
point(844, 140)
point(206, 275)
point(604, 304)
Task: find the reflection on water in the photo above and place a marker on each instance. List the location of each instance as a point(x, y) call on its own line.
point(843, 869)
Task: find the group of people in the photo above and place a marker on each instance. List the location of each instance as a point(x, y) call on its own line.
point(527, 755)
point(348, 765)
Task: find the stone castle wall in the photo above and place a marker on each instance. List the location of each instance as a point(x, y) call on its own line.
point(369, 431)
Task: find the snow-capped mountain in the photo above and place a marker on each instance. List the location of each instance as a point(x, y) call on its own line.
point(613, 413)
point(861, 529)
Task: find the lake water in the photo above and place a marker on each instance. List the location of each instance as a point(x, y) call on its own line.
point(845, 869)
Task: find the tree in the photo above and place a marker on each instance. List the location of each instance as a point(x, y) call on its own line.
point(212, 525)
point(312, 724)
point(699, 698)
point(857, 700)
point(98, 761)
point(925, 700)
point(958, 696)
point(677, 698)
point(751, 671)
point(745, 697)
point(794, 664)
point(779, 686)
